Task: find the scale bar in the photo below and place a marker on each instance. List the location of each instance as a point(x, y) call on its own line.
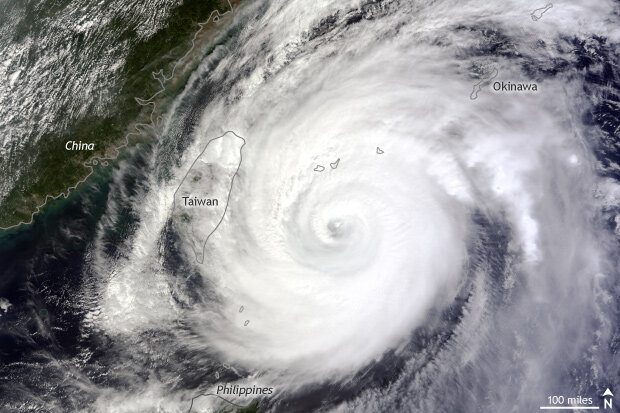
point(569, 407)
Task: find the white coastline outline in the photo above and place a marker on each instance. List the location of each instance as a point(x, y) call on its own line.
point(218, 396)
point(232, 183)
point(483, 82)
point(542, 11)
point(153, 125)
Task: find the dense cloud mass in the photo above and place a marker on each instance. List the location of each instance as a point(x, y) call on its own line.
point(478, 217)
point(400, 235)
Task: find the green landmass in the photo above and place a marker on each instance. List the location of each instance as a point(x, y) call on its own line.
point(55, 170)
point(252, 408)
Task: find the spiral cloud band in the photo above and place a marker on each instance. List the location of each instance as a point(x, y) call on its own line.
point(381, 202)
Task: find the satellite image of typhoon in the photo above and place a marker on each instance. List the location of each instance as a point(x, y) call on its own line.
point(291, 206)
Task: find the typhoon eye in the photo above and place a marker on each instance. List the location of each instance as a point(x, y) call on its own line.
point(337, 227)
